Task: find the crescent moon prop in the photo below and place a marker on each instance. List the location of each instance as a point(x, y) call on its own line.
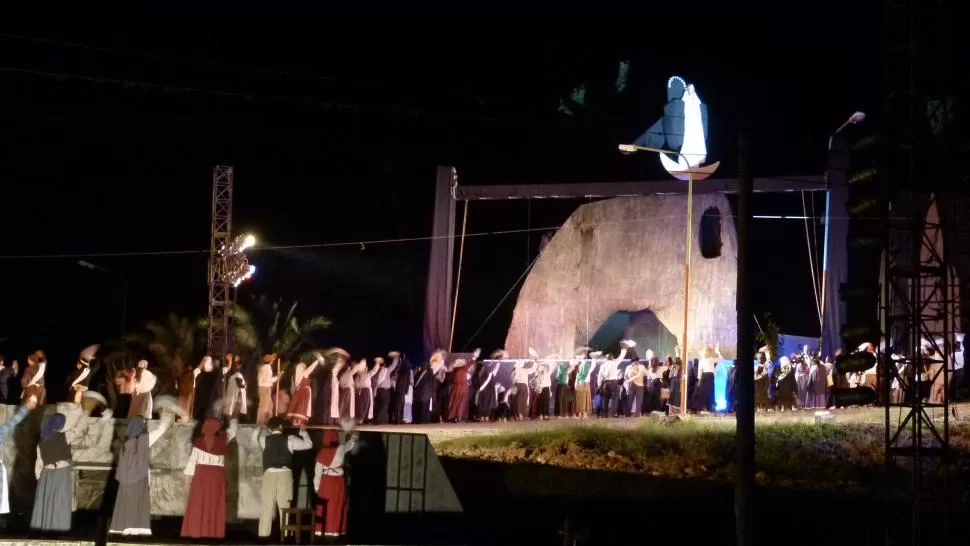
point(533, 353)
point(169, 403)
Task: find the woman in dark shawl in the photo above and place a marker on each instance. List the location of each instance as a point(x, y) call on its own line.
point(132, 511)
point(54, 499)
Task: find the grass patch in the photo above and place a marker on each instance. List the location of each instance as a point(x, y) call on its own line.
point(846, 455)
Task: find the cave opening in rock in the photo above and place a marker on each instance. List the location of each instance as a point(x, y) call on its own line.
point(710, 233)
point(641, 326)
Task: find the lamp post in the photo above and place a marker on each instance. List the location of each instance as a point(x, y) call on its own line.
point(124, 292)
point(855, 118)
point(691, 174)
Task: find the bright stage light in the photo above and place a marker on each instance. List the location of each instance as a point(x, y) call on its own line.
point(244, 242)
point(857, 117)
point(235, 266)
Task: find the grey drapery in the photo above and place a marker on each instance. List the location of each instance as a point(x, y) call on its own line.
point(437, 300)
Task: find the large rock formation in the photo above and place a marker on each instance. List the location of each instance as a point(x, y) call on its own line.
point(626, 254)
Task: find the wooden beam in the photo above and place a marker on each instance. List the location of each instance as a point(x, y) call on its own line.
point(780, 184)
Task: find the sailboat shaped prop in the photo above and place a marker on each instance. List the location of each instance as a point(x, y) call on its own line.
point(676, 169)
point(680, 136)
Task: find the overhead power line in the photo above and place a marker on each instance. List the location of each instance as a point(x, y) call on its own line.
point(371, 242)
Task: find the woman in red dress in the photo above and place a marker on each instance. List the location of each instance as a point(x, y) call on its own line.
point(300, 407)
point(330, 484)
point(205, 475)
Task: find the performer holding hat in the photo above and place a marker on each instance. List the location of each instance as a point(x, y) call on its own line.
point(32, 382)
point(277, 488)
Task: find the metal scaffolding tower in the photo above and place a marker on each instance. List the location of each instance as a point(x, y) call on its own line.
point(220, 289)
point(918, 304)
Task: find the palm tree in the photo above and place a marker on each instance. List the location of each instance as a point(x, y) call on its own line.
point(266, 326)
point(173, 344)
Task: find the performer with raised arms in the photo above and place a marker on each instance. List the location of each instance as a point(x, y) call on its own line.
point(205, 477)
point(32, 382)
point(276, 492)
point(330, 482)
point(132, 513)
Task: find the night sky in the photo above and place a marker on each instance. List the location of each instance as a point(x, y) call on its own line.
point(335, 125)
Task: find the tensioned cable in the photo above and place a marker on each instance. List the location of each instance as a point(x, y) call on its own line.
point(811, 263)
point(505, 297)
point(364, 243)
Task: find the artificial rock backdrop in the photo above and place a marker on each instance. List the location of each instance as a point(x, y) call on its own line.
point(96, 443)
point(626, 255)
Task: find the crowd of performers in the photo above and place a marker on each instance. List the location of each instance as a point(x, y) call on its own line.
point(205, 479)
point(337, 389)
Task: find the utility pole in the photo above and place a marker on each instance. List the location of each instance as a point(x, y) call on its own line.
point(744, 372)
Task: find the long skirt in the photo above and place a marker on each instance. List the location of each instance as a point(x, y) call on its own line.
point(486, 402)
point(205, 512)
point(347, 403)
point(458, 403)
point(299, 409)
point(54, 500)
point(542, 402)
point(141, 404)
point(703, 399)
point(562, 399)
point(522, 399)
point(584, 400)
point(674, 400)
point(333, 493)
point(132, 514)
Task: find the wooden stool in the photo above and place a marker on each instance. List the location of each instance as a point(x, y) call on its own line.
point(297, 527)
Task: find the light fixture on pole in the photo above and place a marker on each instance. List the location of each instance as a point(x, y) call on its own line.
point(236, 268)
point(856, 118)
point(690, 174)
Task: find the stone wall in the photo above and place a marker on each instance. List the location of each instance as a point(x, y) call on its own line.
point(97, 442)
point(627, 254)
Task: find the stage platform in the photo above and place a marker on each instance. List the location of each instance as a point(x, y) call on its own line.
point(442, 432)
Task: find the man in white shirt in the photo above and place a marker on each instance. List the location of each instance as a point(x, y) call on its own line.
point(609, 380)
point(265, 380)
point(276, 492)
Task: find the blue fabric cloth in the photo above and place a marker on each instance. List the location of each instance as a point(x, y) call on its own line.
point(52, 423)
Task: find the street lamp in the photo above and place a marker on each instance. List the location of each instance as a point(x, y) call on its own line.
point(699, 172)
point(124, 293)
point(855, 118)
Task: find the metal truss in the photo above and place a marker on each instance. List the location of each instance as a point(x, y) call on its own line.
point(220, 291)
point(918, 304)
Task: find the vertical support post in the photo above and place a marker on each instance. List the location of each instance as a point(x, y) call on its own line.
point(825, 264)
point(461, 256)
point(684, 353)
point(744, 486)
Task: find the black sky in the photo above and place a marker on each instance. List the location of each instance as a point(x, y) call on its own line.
point(335, 125)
